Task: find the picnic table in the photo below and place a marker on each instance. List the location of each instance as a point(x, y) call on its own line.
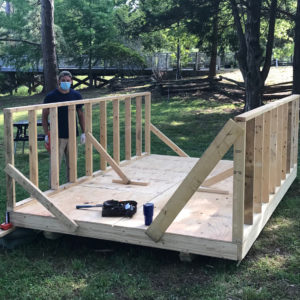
point(22, 136)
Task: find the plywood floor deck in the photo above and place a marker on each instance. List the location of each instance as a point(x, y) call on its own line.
point(203, 224)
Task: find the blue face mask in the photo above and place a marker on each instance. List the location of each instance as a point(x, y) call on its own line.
point(65, 85)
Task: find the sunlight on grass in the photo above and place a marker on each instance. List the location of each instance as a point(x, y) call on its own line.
point(176, 123)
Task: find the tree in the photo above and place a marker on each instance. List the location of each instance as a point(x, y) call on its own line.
point(250, 53)
point(87, 26)
point(48, 45)
point(296, 62)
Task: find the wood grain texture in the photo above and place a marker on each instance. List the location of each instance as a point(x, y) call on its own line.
point(194, 179)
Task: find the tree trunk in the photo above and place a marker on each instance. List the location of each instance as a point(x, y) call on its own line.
point(48, 45)
point(178, 55)
point(8, 8)
point(253, 80)
point(214, 42)
point(296, 62)
point(250, 54)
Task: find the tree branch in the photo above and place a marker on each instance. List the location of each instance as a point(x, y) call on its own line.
point(20, 41)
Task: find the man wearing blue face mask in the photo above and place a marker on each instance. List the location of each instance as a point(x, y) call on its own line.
point(63, 93)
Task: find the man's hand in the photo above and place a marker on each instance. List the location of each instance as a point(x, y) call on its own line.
point(47, 142)
point(82, 138)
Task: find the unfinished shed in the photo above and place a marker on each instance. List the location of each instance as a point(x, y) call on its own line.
point(206, 205)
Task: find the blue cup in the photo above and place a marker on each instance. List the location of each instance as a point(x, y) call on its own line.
point(148, 213)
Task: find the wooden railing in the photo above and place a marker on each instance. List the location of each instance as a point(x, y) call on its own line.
point(101, 146)
point(263, 157)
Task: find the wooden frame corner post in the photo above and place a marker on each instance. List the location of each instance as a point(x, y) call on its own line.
point(9, 159)
point(239, 191)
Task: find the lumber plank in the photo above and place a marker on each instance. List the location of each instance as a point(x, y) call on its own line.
point(103, 133)
point(296, 130)
point(221, 144)
point(138, 126)
point(33, 154)
point(167, 141)
point(108, 158)
point(266, 158)
point(238, 195)
point(273, 150)
point(88, 144)
point(141, 183)
point(41, 197)
point(72, 143)
point(116, 131)
point(249, 172)
point(212, 190)
point(128, 128)
point(85, 101)
point(147, 124)
point(217, 178)
point(289, 139)
point(284, 140)
point(258, 163)
point(9, 159)
point(54, 146)
point(279, 145)
point(263, 109)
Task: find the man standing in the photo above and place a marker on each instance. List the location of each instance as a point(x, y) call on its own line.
point(63, 93)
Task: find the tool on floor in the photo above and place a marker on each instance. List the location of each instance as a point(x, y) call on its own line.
point(114, 208)
point(7, 225)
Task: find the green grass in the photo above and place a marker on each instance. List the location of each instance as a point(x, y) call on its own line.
point(82, 268)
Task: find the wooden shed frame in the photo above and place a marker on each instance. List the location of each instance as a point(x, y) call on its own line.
point(265, 142)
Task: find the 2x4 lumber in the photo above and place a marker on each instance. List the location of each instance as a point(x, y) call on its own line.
point(108, 158)
point(9, 159)
point(33, 154)
point(85, 101)
point(258, 163)
point(289, 139)
point(293, 136)
point(263, 109)
point(273, 150)
point(217, 178)
point(141, 183)
point(128, 128)
point(116, 131)
point(266, 158)
point(138, 126)
point(41, 197)
point(296, 131)
point(284, 140)
point(212, 191)
point(103, 133)
point(239, 150)
point(147, 124)
point(88, 144)
point(167, 141)
point(252, 232)
point(249, 172)
point(279, 144)
point(72, 143)
point(217, 149)
point(54, 149)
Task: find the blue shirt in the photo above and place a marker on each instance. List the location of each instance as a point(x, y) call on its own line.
point(63, 124)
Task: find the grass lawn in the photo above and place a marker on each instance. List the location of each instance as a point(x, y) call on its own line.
point(81, 268)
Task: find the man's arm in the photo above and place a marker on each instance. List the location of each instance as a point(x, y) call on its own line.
point(45, 115)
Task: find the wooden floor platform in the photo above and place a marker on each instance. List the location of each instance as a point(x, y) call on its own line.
point(204, 226)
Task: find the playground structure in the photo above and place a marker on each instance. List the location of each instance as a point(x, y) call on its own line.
point(206, 206)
